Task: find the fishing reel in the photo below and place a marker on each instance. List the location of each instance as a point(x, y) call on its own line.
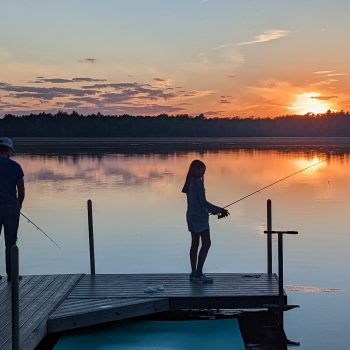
point(224, 213)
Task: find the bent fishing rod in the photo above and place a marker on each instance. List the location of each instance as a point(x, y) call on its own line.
point(220, 216)
point(42, 231)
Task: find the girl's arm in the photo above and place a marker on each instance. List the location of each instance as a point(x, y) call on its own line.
point(213, 209)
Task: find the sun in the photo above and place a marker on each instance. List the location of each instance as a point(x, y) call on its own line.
point(309, 102)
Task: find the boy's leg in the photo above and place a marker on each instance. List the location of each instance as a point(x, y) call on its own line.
point(10, 222)
point(1, 224)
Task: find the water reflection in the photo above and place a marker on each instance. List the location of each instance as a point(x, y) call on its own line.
point(105, 171)
point(137, 199)
point(139, 216)
point(304, 289)
point(129, 170)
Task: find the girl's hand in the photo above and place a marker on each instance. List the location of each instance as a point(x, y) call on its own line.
point(224, 212)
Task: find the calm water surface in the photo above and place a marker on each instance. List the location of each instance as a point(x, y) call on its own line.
point(139, 218)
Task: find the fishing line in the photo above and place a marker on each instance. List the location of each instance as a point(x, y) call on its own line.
point(42, 231)
point(273, 183)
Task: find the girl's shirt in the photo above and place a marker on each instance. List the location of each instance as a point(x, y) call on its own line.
point(198, 208)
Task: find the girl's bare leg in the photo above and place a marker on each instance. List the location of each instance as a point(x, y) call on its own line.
point(206, 243)
point(194, 252)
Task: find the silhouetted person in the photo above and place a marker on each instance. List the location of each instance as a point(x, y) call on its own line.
point(197, 215)
point(11, 197)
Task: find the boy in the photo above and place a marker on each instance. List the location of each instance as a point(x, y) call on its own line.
point(12, 194)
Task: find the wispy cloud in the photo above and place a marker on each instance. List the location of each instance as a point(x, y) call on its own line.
point(335, 75)
point(147, 109)
point(325, 82)
point(267, 35)
point(197, 93)
point(223, 46)
point(83, 79)
point(214, 113)
point(322, 72)
point(225, 99)
point(329, 73)
point(89, 60)
point(65, 81)
point(69, 104)
point(45, 93)
point(323, 98)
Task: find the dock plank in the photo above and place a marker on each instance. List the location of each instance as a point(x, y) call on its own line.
point(104, 298)
point(26, 298)
point(87, 312)
point(5, 295)
point(175, 286)
point(43, 295)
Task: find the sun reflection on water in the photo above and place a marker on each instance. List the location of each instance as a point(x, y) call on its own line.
point(313, 164)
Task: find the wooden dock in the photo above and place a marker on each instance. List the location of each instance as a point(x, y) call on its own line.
point(55, 303)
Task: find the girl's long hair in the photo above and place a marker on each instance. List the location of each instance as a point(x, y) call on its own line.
point(193, 173)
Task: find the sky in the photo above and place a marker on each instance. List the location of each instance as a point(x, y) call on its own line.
point(222, 58)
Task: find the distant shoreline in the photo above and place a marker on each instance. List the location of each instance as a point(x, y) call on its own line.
point(130, 144)
point(182, 127)
point(188, 140)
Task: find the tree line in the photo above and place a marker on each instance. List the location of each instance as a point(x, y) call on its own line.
point(62, 124)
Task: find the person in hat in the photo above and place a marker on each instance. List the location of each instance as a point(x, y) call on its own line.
point(11, 197)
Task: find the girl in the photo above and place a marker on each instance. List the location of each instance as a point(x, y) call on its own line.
point(197, 215)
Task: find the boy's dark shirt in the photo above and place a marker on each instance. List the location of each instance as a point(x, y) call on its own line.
point(10, 173)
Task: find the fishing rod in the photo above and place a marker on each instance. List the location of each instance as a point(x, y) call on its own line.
point(42, 231)
point(271, 184)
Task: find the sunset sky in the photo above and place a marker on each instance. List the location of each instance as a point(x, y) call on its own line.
point(217, 57)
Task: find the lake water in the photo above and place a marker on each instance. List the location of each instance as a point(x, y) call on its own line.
point(140, 227)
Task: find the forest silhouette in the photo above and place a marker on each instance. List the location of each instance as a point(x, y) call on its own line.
point(62, 124)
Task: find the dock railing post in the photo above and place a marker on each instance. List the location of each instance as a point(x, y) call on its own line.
point(280, 280)
point(281, 306)
point(269, 237)
point(91, 238)
point(15, 297)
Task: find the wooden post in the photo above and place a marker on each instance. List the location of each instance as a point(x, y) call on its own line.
point(91, 238)
point(281, 306)
point(269, 237)
point(280, 280)
point(15, 296)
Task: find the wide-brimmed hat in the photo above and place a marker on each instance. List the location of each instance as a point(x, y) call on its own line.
point(7, 142)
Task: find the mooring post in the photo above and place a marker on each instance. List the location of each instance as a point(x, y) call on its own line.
point(269, 237)
point(15, 296)
point(281, 305)
point(280, 280)
point(91, 238)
